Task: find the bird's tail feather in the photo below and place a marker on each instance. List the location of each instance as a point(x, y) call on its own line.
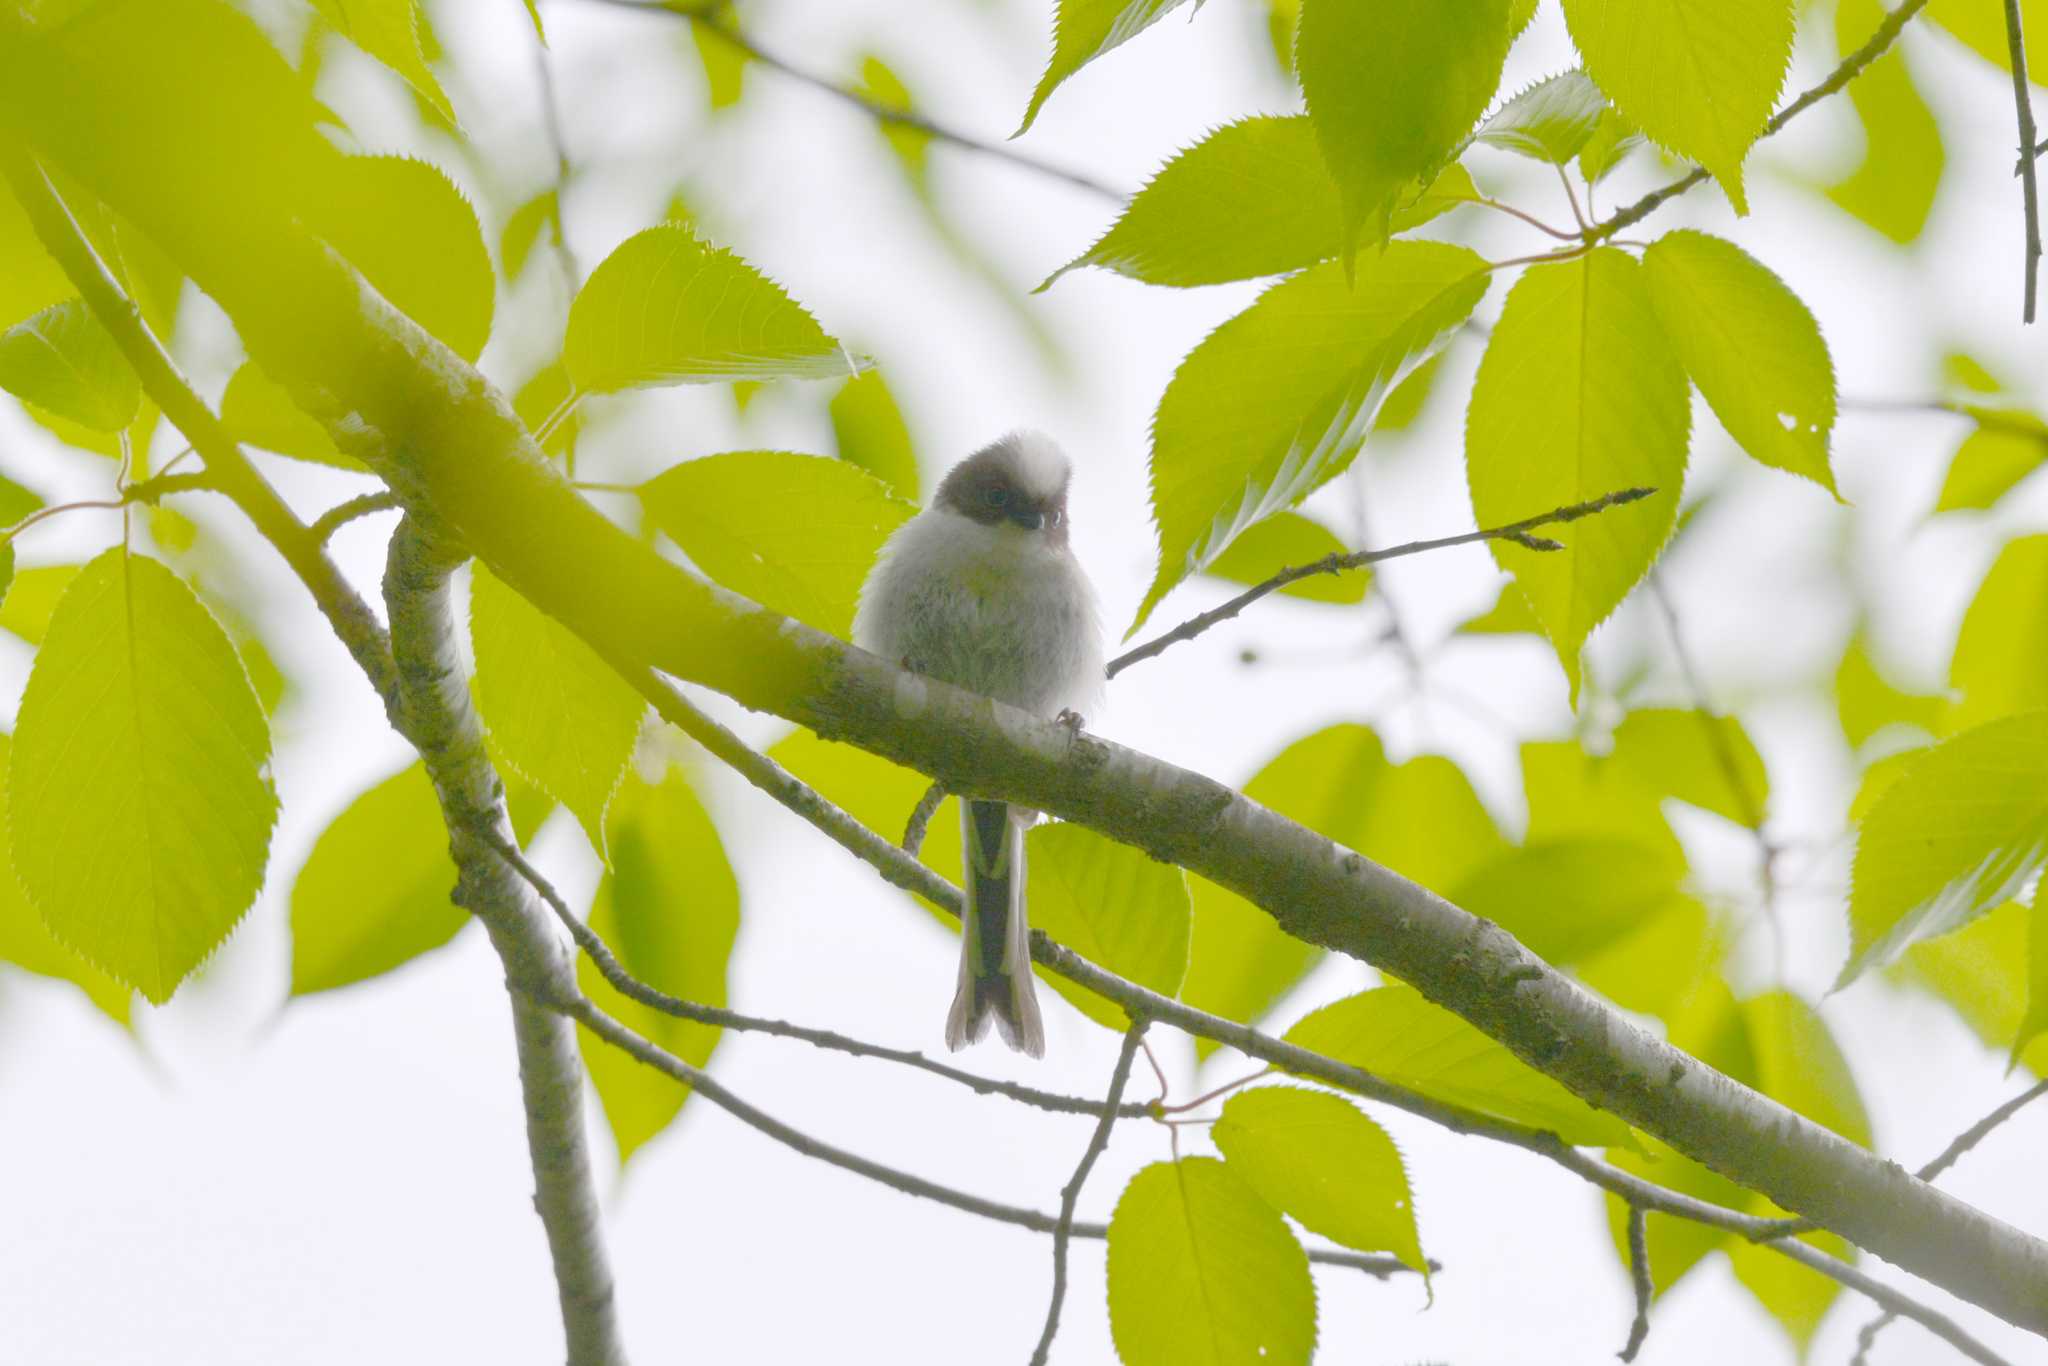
point(995, 941)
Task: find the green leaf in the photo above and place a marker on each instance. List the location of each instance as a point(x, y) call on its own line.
point(869, 431)
point(1115, 906)
point(413, 235)
point(1614, 137)
point(374, 893)
point(64, 361)
point(1202, 1270)
point(32, 598)
point(1579, 395)
point(559, 715)
point(665, 308)
point(1660, 965)
point(1395, 1034)
point(1867, 702)
point(16, 503)
point(1981, 28)
point(796, 533)
point(1892, 189)
point(32, 281)
point(541, 398)
point(1699, 77)
point(1985, 972)
point(880, 795)
point(670, 910)
point(1689, 755)
point(2035, 1022)
point(26, 941)
point(524, 228)
point(539, 29)
point(1964, 828)
point(1751, 346)
point(1314, 1156)
point(257, 411)
point(1274, 403)
point(389, 30)
point(910, 143)
point(1509, 615)
point(1393, 89)
point(1568, 899)
point(2004, 448)
point(1283, 541)
point(140, 796)
point(1252, 198)
point(1551, 120)
point(1571, 794)
point(1083, 31)
point(725, 66)
point(1420, 818)
point(1998, 661)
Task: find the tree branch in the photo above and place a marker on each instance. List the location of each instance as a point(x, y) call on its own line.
point(1070, 1194)
point(704, 16)
point(921, 817)
point(1639, 1279)
point(1518, 532)
point(341, 514)
point(2023, 103)
point(439, 719)
point(1850, 67)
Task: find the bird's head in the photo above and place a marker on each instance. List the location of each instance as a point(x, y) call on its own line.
point(1018, 481)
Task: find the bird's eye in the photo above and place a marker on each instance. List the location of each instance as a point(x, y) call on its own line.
point(997, 497)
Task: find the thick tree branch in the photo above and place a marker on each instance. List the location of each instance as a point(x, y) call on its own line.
point(1850, 67)
point(1070, 1194)
point(1518, 532)
point(437, 432)
point(437, 716)
point(2023, 103)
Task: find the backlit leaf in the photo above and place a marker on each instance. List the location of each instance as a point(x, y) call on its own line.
point(1509, 615)
point(2004, 448)
point(665, 308)
point(1393, 88)
point(1962, 829)
point(1566, 900)
point(1705, 760)
point(1579, 395)
point(33, 281)
point(1699, 77)
point(1115, 906)
point(1202, 1270)
point(524, 228)
point(140, 797)
point(1867, 702)
point(796, 533)
point(389, 30)
point(559, 715)
point(880, 795)
point(1751, 346)
point(2004, 640)
point(1614, 137)
point(2035, 1022)
point(1314, 1156)
point(374, 893)
point(670, 910)
point(413, 235)
point(1892, 189)
point(1393, 1033)
point(1274, 403)
point(1283, 541)
point(1550, 121)
point(1982, 971)
point(257, 411)
point(1085, 29)
point(26, 942)
point(64, 361)
point(869, 430)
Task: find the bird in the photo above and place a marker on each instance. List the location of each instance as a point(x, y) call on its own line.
point(981, 589)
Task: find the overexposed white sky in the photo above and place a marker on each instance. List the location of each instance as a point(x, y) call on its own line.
point(345, 1179)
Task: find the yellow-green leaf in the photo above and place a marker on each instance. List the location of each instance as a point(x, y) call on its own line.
point(670, 910)
point(409, 230)
point(1569, 899)
point(1509, 615)
point(558, 714)
point(374, 893)
point(1284, 541)
point(1982, 971)
point(26, 942)
point(258, 412)
point(1614, 137)
point(1115, 906)
point(389, 30)
point(1705, 760)
point(1202, 1270)
point(1551, 120)
point(796, 533)
point(1699, 77)
point(1962, 829)
point(1274, 403)
point(524, 228)
point(1082, 31)
point(541, 400)
point(665, 308)
point(1579, 395)
point(140, 799)
point(2004, 448)
point(1751, 346)
point(1893, 187)
point(1998, 664)
point(1314, 1156)
point(869, 431)
point(32, 281)
point(1867, 702)
point(62, 360)
point(2035, 1022)
point(878, 794)
point(1393, 88)
point(1395, 1034)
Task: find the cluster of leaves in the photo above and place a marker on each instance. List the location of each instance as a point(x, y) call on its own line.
point(145, 719)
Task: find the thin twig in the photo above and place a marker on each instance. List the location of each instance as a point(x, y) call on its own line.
point(1070, 1194)
point(1213, 1093)
point(143, 491)
point(1866, 1337)
point(631, 987)
point(1531, 219)
point(1517, 532)
point(704, 17)
point(2023, 103)
point(341, 514)
point(1639, 1278)
point(1572, 197)
point(921, 816)
point(1849, 69)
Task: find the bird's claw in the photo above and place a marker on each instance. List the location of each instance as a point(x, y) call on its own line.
point(1071, 719)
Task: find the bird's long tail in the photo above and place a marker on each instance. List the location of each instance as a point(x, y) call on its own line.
point(995, 941)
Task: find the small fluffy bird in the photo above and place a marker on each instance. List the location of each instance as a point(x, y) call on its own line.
point(981, 590)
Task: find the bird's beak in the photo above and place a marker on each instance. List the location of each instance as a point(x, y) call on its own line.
point(1031, 519)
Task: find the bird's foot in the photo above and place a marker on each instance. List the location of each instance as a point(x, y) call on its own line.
point(1071, 719)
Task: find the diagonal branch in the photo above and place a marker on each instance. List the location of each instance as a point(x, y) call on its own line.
point(1518, 532)
point(2023, 103)
point(1070, 1194)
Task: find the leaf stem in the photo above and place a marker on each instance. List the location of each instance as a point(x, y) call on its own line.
point(2023, 104)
